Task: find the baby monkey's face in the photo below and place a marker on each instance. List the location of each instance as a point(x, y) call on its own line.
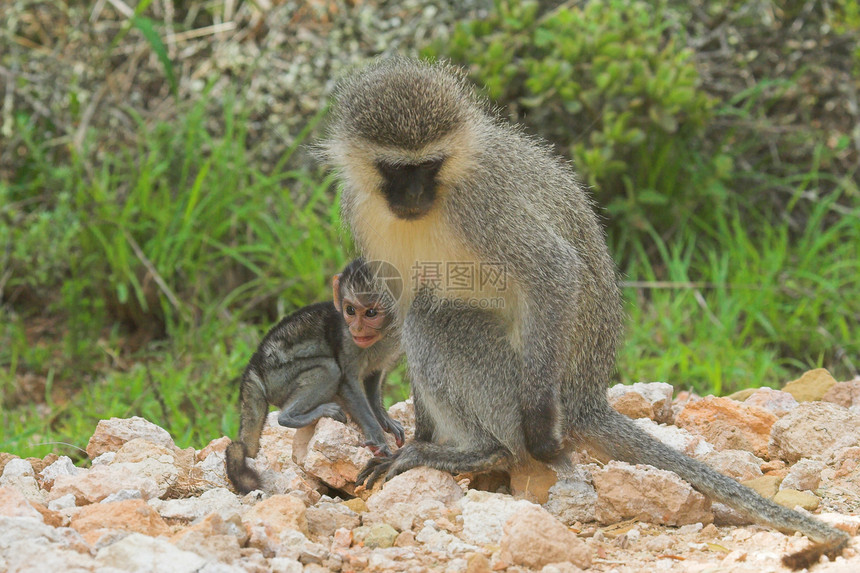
point(365, 322)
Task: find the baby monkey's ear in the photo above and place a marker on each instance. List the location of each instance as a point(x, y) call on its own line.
point(335, 291)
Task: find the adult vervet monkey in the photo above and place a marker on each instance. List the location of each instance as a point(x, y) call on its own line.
point(432, 177)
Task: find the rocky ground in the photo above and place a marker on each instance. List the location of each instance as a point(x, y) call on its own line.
point(146, 505)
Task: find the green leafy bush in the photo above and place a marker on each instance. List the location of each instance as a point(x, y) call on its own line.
point(610, 83)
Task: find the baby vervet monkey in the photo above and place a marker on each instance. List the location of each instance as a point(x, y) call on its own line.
point(317, 362)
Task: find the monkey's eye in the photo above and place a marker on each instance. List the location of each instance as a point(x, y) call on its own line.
point(350, 310)
point(371, 312)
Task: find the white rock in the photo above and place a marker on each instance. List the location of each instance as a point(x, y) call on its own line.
point(574, 499)
point(437, 540)
point(285, 565)
point(62, 467)
point(16, 467)
point(141, 553)
point(123, 495)
point(213, 470)
point(111, 434)
point(805, 475)
point(676, 437)
point(104, 459)
point(67, 501)
point(220, 500)
point(485, 514)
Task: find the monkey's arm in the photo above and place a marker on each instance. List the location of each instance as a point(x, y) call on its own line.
point(356, 402)
point(545, 271)
point(373, 390)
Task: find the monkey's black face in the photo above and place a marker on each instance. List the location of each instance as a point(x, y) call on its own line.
point(410, 189)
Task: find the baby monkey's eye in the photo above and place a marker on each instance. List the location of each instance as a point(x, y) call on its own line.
point(371, 312)
point(350, 310)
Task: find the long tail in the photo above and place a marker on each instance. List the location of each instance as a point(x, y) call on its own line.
point(621, 439)
point(253, 407)
point(240, 473)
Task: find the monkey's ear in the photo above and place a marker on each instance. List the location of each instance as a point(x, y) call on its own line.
point(335, 291)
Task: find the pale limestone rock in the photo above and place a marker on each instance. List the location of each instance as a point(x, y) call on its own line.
point(18, 474)
point(277, 513)
point(137, 552)
point(485, 513)
point(335, 453)
point(219, 500)
point(643, 400)
point(845, 394)
point(415, 485)
point(26, 486)
point(404, 412)
point(847, 523)
point(406, 516)
point(325, 518)
point(574, 499)
point(62, 467)
point(276, 442)
point(27, 542)
point(100, 481)
point(211, 538)
point(777, 402)
point(691, 444)
point(103, 459)
point(814, 430)
point(535, 538)
point(435, 539)
point(111, 434)
point(149, 460)
point(213, 470)
point(285, 565)
point(135, 515)
point(566, 567)
point(123, 495)
point(805, 475)
point(17, 467)
point(648, 494)
point(293, 480)
point(738, 464)
point(14, 504)
point(728, 424)
point(64, 502)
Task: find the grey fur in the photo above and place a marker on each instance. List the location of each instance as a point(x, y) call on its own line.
point(309, 366)
point(492, 388)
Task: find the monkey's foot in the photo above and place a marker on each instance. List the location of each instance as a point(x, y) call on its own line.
point(383, 468)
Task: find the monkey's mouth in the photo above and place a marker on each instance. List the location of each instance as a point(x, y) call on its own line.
point(409, 213)
point(364, 341)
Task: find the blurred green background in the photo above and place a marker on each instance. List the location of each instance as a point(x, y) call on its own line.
point(160, 208)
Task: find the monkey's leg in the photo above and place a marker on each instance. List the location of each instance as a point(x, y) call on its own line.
point(621, 439)
point(464, 377)
point(373, 390)
point(253, 408)
point(315, 388)
point(357, 404)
